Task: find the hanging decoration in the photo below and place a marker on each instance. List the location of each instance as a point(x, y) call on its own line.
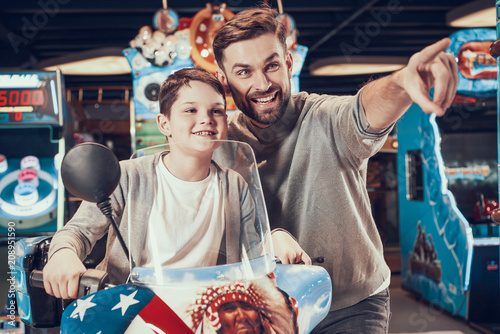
point(289, 23)
point(298, 51)
point(166, 20)
point(204, 26)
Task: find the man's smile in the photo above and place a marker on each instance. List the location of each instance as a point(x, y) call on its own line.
point(265, 99)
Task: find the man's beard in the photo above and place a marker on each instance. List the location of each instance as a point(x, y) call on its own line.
point(268, 116)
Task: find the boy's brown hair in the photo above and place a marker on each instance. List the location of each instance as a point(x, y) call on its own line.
point(248, 24)
point(170, 87)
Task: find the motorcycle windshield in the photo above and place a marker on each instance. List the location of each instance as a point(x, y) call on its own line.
point(213, 229)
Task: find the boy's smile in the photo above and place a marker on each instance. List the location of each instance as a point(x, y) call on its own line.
point(205, 133)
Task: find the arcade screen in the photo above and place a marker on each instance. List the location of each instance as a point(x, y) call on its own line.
point(469, 151)
point(30, 98)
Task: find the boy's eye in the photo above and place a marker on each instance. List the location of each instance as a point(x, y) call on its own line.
point(218, 111)
point(191, 110)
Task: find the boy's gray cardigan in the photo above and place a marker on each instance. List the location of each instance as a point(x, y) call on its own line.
point(131, 203)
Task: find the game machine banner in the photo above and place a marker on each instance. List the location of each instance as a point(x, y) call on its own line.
point(448, 185)
point(31, 146)
point(175, 43)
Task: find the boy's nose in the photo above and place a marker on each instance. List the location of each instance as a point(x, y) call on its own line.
point(206, 118)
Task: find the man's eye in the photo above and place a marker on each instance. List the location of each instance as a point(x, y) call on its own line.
point(273, 66)
point(191, 110)
point(243, 73)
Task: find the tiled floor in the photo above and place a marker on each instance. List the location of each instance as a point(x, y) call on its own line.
point(412, 316)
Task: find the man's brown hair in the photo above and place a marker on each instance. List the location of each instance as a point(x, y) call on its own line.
point(170, 87)
point(248, 24)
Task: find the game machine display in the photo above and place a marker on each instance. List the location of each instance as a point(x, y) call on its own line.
point(32, 144)
point(448, 188)
point(177, 42)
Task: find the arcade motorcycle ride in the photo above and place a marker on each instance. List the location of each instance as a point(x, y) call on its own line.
point(248, 283)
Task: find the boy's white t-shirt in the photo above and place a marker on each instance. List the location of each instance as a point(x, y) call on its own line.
point(186, 224)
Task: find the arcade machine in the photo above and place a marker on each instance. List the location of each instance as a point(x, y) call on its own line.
point(175, 43)
point(448, 187)
point(32, 144)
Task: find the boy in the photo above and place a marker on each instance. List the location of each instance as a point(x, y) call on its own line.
point(193, 205)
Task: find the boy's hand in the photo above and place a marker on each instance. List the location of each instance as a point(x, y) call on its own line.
point(288, 250)
point(61, 275)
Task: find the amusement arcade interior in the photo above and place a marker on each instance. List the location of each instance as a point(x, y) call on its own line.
point(101, 85)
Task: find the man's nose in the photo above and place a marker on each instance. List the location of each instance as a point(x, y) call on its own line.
point(261, 81)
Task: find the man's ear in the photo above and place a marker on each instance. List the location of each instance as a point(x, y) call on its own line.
point(289, 63)
point(163, 125)
point(223, 80)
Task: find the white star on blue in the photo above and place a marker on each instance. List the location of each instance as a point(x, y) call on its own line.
point(125, 302)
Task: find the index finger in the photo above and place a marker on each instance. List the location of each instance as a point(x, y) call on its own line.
point(432, 51)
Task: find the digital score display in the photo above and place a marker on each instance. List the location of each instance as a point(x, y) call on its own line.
point(21, 100)
point(30, 97)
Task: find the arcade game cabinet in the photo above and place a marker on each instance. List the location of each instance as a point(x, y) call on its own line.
point(32, 144)
point(175, 43)
point(448, 187)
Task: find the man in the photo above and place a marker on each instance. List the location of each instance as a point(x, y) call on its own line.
point(313, 151)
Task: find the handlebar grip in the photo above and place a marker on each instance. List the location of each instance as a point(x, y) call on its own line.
point(36, 279)
point(91, 281)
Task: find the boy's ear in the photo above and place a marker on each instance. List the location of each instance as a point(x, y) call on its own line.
point(163, 125)
point(223, 80)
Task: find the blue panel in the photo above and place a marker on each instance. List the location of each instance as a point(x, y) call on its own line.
point(435, 238)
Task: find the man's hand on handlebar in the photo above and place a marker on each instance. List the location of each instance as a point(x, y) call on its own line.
point(288, 250)
point(61, 274)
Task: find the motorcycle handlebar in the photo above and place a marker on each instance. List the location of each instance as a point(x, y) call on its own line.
point(36, 279)
point(91, 281)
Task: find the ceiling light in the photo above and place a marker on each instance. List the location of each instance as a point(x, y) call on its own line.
point(105, 61)
point(481, 13)
point(335, 66)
